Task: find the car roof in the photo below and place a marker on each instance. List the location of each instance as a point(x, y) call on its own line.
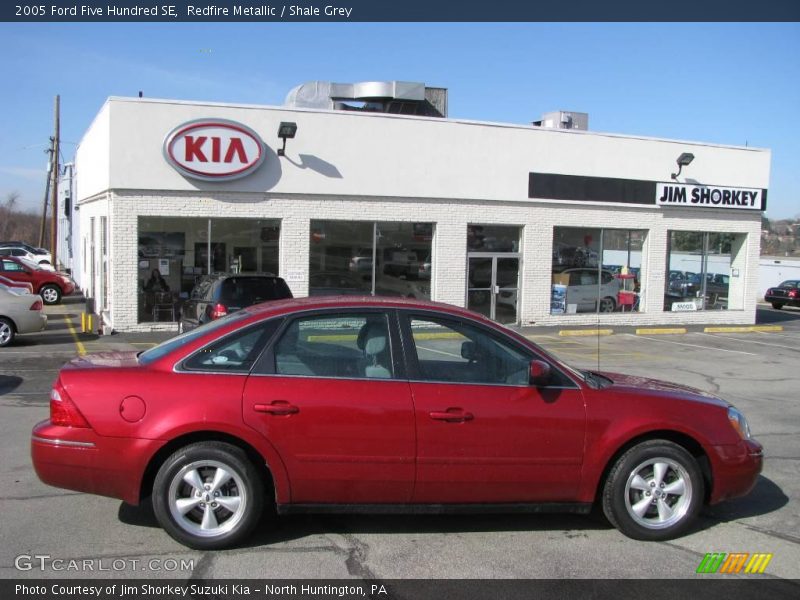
point(277, 307)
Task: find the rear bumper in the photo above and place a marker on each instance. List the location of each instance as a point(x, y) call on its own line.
point(81, 460)
point(31, 322)
point(735, 469)
point(782, 300)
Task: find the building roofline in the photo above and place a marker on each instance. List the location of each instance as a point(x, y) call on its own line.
point(355, 114)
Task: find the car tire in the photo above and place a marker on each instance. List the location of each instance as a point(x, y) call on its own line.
point(51, 294)
point(654, 491)
point(208, 496)
point(608, 305)
point(777, 305)
point(7, 332)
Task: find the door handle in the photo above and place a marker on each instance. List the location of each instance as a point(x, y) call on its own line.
point(452, 415)
point(278, 407)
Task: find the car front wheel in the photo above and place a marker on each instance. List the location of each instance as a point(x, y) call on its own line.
point(208, 495)
point(654, 491)
point(51, 294)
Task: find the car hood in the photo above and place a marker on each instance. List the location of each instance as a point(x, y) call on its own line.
point(104, 360)
point(639, 385)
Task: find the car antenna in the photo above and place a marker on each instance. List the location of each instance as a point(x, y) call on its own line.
point(599, 294)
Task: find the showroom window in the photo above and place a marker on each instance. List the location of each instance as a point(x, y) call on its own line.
point(370, 258)
point(175, 253)
point(705, 271)
point(596, 270)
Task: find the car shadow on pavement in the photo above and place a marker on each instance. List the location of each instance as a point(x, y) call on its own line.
point(9, 383)
point(295, 527)
point(765, 498)
point(274, 529)
point(765, 316)
point(48, 338)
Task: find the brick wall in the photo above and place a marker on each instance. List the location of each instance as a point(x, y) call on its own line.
point(449, 250)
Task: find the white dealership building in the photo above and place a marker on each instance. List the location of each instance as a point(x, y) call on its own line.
point(370, 188)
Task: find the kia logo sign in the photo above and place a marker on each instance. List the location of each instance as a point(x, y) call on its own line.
point(214, 149)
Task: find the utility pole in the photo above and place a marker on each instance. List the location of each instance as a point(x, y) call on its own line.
point(43, 228)
point(56, 170)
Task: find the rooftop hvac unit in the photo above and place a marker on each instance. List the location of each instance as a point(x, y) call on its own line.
point(563, 119)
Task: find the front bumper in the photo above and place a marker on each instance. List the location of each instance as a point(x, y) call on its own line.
point(735, 469)
point(79, 459)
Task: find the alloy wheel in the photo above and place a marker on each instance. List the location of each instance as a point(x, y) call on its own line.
point(207, 498)
point(658, 493)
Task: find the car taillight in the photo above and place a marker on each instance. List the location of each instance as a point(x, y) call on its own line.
point(792, 293)
point(217, 310)
point(36, 305)
point(63, 411)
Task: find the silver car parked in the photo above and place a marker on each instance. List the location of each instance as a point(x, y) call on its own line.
point(583, 290)
point(20, 312)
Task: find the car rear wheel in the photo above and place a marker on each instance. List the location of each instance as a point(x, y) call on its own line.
point(208, 495)
point(7, 331)
point(654, 491)
point(607, 305)
point(51, 294)
point(777, 305)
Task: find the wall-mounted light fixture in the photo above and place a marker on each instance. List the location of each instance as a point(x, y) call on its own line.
point(683, 160)
point(286, 131)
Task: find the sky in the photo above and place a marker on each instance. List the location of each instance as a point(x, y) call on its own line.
point(736, 84)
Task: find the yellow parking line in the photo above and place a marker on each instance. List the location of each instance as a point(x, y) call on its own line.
point(660, 331)
point(743, 329)
point(585, 332)
point(78, 344)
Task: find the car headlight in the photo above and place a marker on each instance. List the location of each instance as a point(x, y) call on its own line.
point(739, 423)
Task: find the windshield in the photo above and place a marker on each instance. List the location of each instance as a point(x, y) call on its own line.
point(164, 348)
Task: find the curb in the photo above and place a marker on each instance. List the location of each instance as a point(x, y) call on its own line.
point(744, 329)
point(585, 332)
point(674, 330)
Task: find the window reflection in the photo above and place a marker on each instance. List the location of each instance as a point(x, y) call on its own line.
point(381, 258)
point(701, 271)
point(596, 270)
point(174, 252)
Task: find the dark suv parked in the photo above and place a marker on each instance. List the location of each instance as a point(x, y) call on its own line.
point(216, 295)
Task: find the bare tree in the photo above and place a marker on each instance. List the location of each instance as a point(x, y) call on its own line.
point(6, 214)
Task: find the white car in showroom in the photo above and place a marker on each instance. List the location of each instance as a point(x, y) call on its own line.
point(20, 312)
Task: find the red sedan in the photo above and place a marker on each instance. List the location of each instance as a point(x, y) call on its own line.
point(342, 404)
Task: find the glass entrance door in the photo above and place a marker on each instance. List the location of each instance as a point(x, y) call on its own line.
point(493, 285)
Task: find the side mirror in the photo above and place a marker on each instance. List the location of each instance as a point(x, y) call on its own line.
point(469, 350)
point(539, 373)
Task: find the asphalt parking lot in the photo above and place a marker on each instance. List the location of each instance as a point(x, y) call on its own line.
point(757, 371)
